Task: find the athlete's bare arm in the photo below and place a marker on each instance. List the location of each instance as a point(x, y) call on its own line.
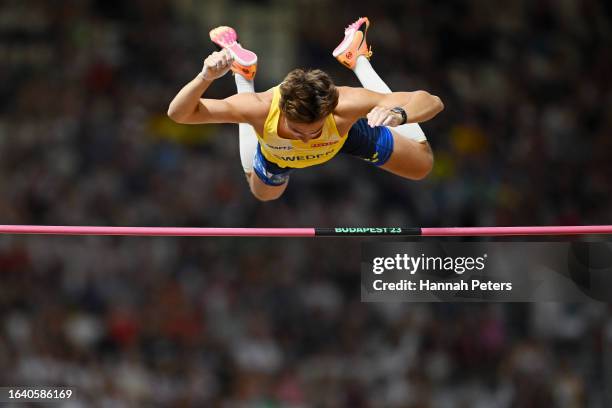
point(356, 103)
point(188, 107)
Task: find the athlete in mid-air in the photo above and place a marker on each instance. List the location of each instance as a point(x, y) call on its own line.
point(307, 120)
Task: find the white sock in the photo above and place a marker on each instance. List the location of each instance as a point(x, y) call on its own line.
point(246, 133)
point(370, 80)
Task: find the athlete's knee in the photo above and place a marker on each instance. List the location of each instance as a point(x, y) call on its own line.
point(267, 195)
point(425, 163)
point(264, 192)
point(422, 172)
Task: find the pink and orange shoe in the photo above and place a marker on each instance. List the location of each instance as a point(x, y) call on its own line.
point(245, 61)
point(354, 43)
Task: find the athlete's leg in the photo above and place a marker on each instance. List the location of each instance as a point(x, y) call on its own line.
point(385, 148)
point(370, 80)
point(244, 68)
point(410, 156)
point(409, 159)
point(265, 192)
point(354, 53)
point(267, 180)
point(247, 138)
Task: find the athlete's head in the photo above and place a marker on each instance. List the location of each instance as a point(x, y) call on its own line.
point(307, 97)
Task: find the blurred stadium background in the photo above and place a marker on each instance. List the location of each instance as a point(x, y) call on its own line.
point(526, 138)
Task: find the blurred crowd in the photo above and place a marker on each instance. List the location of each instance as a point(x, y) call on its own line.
point(525, 139)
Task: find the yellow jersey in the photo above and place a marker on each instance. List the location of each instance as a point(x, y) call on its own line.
point(295, 153)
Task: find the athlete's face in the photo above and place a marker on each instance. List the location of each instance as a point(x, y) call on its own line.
point(305, 131)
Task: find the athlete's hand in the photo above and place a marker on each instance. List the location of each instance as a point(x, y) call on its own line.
point(381, 116)
point(216, 65)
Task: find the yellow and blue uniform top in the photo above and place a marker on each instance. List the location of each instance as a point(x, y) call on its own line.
point(295, 153)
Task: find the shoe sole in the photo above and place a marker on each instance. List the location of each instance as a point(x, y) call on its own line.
point(344, 45)
point(226, 38)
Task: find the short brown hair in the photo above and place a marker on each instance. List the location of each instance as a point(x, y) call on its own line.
point(307, 95)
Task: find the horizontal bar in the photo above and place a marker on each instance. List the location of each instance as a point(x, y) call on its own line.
point(304, 232)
